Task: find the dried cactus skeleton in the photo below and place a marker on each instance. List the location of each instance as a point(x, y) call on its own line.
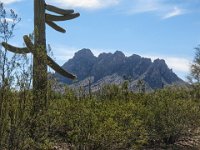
point(38, 49)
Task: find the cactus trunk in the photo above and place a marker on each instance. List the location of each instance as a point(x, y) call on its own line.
point(39, 57)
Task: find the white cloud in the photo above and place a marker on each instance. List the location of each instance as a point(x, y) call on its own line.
point(6, 19)
point(63, 53)
point(178, 64)
point(175, 12)
point(87, 4)
point(9, 1)
point(162, 8)
point(142, 6)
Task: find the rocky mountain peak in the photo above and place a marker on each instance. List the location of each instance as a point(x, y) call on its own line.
point(159, 62)
point(161, 65)
point(84, 53)
point(119, 54)
point(107, 65)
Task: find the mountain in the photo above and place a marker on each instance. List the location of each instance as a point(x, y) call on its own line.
point(115, 68)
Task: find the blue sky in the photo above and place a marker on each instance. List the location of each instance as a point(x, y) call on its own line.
point(166, 29)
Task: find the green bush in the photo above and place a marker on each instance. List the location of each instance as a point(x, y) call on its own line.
point(113, 119)
point(173, 115)
point(93, 124)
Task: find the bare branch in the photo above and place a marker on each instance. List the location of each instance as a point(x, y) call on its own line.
point(61, 18)
point(15, 49)
point(55, 26)
point(59, 10)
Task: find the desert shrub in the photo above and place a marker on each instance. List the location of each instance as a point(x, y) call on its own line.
point(92, 124)
point(173, 116)
point(111, 122)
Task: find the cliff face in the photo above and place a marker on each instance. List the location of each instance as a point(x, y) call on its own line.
point(81, 65)
point(116, 68)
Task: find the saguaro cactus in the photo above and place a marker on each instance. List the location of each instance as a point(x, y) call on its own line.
point(38, 49)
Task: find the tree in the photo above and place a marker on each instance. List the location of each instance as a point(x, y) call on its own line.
point(8, 21)
point(195, 67)
point(194, 77)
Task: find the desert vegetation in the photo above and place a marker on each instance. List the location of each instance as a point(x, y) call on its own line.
point(112, 118)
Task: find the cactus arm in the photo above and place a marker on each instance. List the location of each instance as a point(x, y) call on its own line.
point(15, 49)
point(28, 43)
point(59, 69)
point(50, 61)
point(55, 26)
point(59, 10)
point(50, 17)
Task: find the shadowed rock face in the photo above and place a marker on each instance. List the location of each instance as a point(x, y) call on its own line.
point(81, 64)
point(84, 64)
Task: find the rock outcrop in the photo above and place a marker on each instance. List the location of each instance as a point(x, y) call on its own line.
point(115, 68)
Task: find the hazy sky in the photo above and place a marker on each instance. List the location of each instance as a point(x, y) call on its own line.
point(168, 29)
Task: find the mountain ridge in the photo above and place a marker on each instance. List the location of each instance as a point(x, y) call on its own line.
point(84, 64)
